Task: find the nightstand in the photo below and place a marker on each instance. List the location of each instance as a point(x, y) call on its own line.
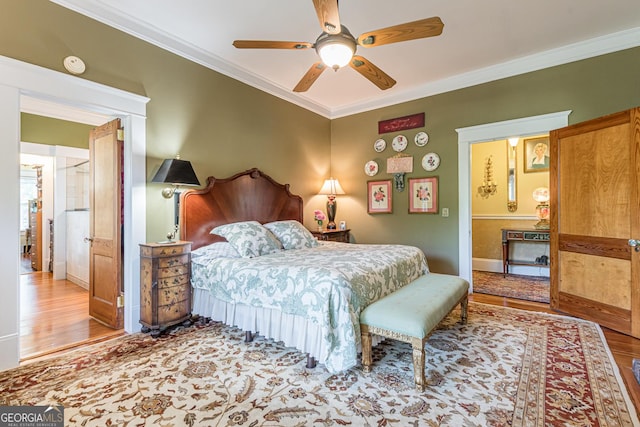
point(165, 285)
point(332, 235)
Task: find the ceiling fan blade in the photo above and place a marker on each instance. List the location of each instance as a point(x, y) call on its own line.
point(429, 27)
point(310, 77)
point(265, 44)
point(327, 11)
point(374, 74)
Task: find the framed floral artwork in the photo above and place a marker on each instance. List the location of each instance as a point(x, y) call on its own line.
point(379, 197)
point(423, 195)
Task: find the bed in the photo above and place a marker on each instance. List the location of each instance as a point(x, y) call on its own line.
point(304, 293)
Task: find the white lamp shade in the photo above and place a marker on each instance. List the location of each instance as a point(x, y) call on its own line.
point(541, 194)
point(331, 187)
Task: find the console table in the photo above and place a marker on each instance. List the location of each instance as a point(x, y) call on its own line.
point(532, 235)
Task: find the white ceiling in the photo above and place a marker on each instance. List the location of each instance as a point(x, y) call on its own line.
point(482, 41)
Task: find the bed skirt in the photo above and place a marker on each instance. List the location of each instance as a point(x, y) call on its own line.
point(291, 330)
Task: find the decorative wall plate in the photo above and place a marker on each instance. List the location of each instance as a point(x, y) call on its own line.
point(421, 139)
point(399, 143)
point(371, 168)
point(430, 162)
point(380, 145)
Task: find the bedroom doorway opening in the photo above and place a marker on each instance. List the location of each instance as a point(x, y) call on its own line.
point(523, 127)
point(18, 81)
point(502, 205)
point(54, 267)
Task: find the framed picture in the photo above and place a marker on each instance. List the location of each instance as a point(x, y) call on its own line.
point(536, 154)
point(423, 195)
point(379, 196)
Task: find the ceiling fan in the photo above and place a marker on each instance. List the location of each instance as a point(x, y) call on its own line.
point(337, 47)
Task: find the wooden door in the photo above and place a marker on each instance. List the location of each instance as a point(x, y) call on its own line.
point(595, 206)
point(105, 262)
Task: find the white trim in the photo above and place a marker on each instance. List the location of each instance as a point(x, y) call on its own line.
point(585, 49)
point(19, 78)
point(483, 133)
point(41, 107)
point(495, 266)
point(507, 217)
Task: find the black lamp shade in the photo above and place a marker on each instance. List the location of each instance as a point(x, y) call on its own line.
point(176, 171)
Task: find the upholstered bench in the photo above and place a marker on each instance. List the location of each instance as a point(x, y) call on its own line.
point(411, 313)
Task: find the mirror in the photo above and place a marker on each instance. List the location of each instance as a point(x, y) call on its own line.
point(512, 202)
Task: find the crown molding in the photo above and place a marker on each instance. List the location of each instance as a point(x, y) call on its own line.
point(562, 55)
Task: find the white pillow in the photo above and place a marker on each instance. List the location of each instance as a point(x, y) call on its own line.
point(204, 254)
point(292, 234)
point(249, 238)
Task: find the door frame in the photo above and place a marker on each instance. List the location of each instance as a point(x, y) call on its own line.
point(18, 79)
point(521, 127)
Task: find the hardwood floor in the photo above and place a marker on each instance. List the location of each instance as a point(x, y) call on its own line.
point(623, 348)
point(54, 317)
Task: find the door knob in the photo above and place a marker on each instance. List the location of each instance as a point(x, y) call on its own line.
point(89, 239)
point(635, 244)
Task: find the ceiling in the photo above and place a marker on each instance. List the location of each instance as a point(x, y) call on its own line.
point(479, 44)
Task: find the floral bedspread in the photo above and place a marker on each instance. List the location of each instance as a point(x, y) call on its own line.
point(329, 285)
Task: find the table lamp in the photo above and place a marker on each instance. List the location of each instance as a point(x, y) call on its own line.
point(541, 195)
point(331, 188)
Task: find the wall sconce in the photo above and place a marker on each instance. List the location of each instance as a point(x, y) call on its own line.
point(399, 165)
point(488, 187)
point(331, 188)
point(512, 192)
point(541, 195)
point(175, 172)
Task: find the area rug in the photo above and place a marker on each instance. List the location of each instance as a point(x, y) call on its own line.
point(529, 288)
point(506, 367)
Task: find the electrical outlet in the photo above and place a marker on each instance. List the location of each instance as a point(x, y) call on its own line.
point(445, 212)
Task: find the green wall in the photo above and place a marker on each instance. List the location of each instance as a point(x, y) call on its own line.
point(48, 131)
point(590, 88)
point(223, 126)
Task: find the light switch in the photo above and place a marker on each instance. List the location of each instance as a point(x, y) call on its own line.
point(445, 212)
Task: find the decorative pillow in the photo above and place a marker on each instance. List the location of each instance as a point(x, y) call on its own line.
point(249, 238)
point(205, 254)
point(292, 234)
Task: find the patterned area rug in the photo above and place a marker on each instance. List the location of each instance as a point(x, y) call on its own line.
point(529, 288)
point(506, 367)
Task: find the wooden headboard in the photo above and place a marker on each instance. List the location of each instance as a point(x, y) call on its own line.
point(248, 195)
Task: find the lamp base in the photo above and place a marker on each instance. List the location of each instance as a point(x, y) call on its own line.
point(543, 224)
point(332, 207)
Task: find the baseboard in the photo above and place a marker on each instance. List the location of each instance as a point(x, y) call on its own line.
point(77, 281)
point(495, 266)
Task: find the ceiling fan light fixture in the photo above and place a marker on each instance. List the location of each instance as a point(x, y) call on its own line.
point(336, 50)
point(335, 55)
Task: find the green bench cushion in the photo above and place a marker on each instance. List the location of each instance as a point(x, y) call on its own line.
point(417, 308)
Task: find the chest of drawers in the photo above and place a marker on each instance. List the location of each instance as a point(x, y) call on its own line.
point(165, 288)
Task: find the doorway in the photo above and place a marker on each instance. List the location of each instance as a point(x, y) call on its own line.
point(54, 315)
point(18, 78)
point(478, 134)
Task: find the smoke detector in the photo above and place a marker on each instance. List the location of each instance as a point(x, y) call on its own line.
point(74, 65)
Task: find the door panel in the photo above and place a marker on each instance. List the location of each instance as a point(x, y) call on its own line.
point(105, 282)
point(594, 191)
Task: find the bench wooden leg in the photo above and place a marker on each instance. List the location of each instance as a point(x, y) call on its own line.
point(418, 363)
point(464, 304)
point(366, 349)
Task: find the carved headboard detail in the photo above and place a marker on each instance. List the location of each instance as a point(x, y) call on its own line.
point(248, 195)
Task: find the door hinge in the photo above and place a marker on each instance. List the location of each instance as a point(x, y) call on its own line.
point(120, 301)
point(120, 134)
